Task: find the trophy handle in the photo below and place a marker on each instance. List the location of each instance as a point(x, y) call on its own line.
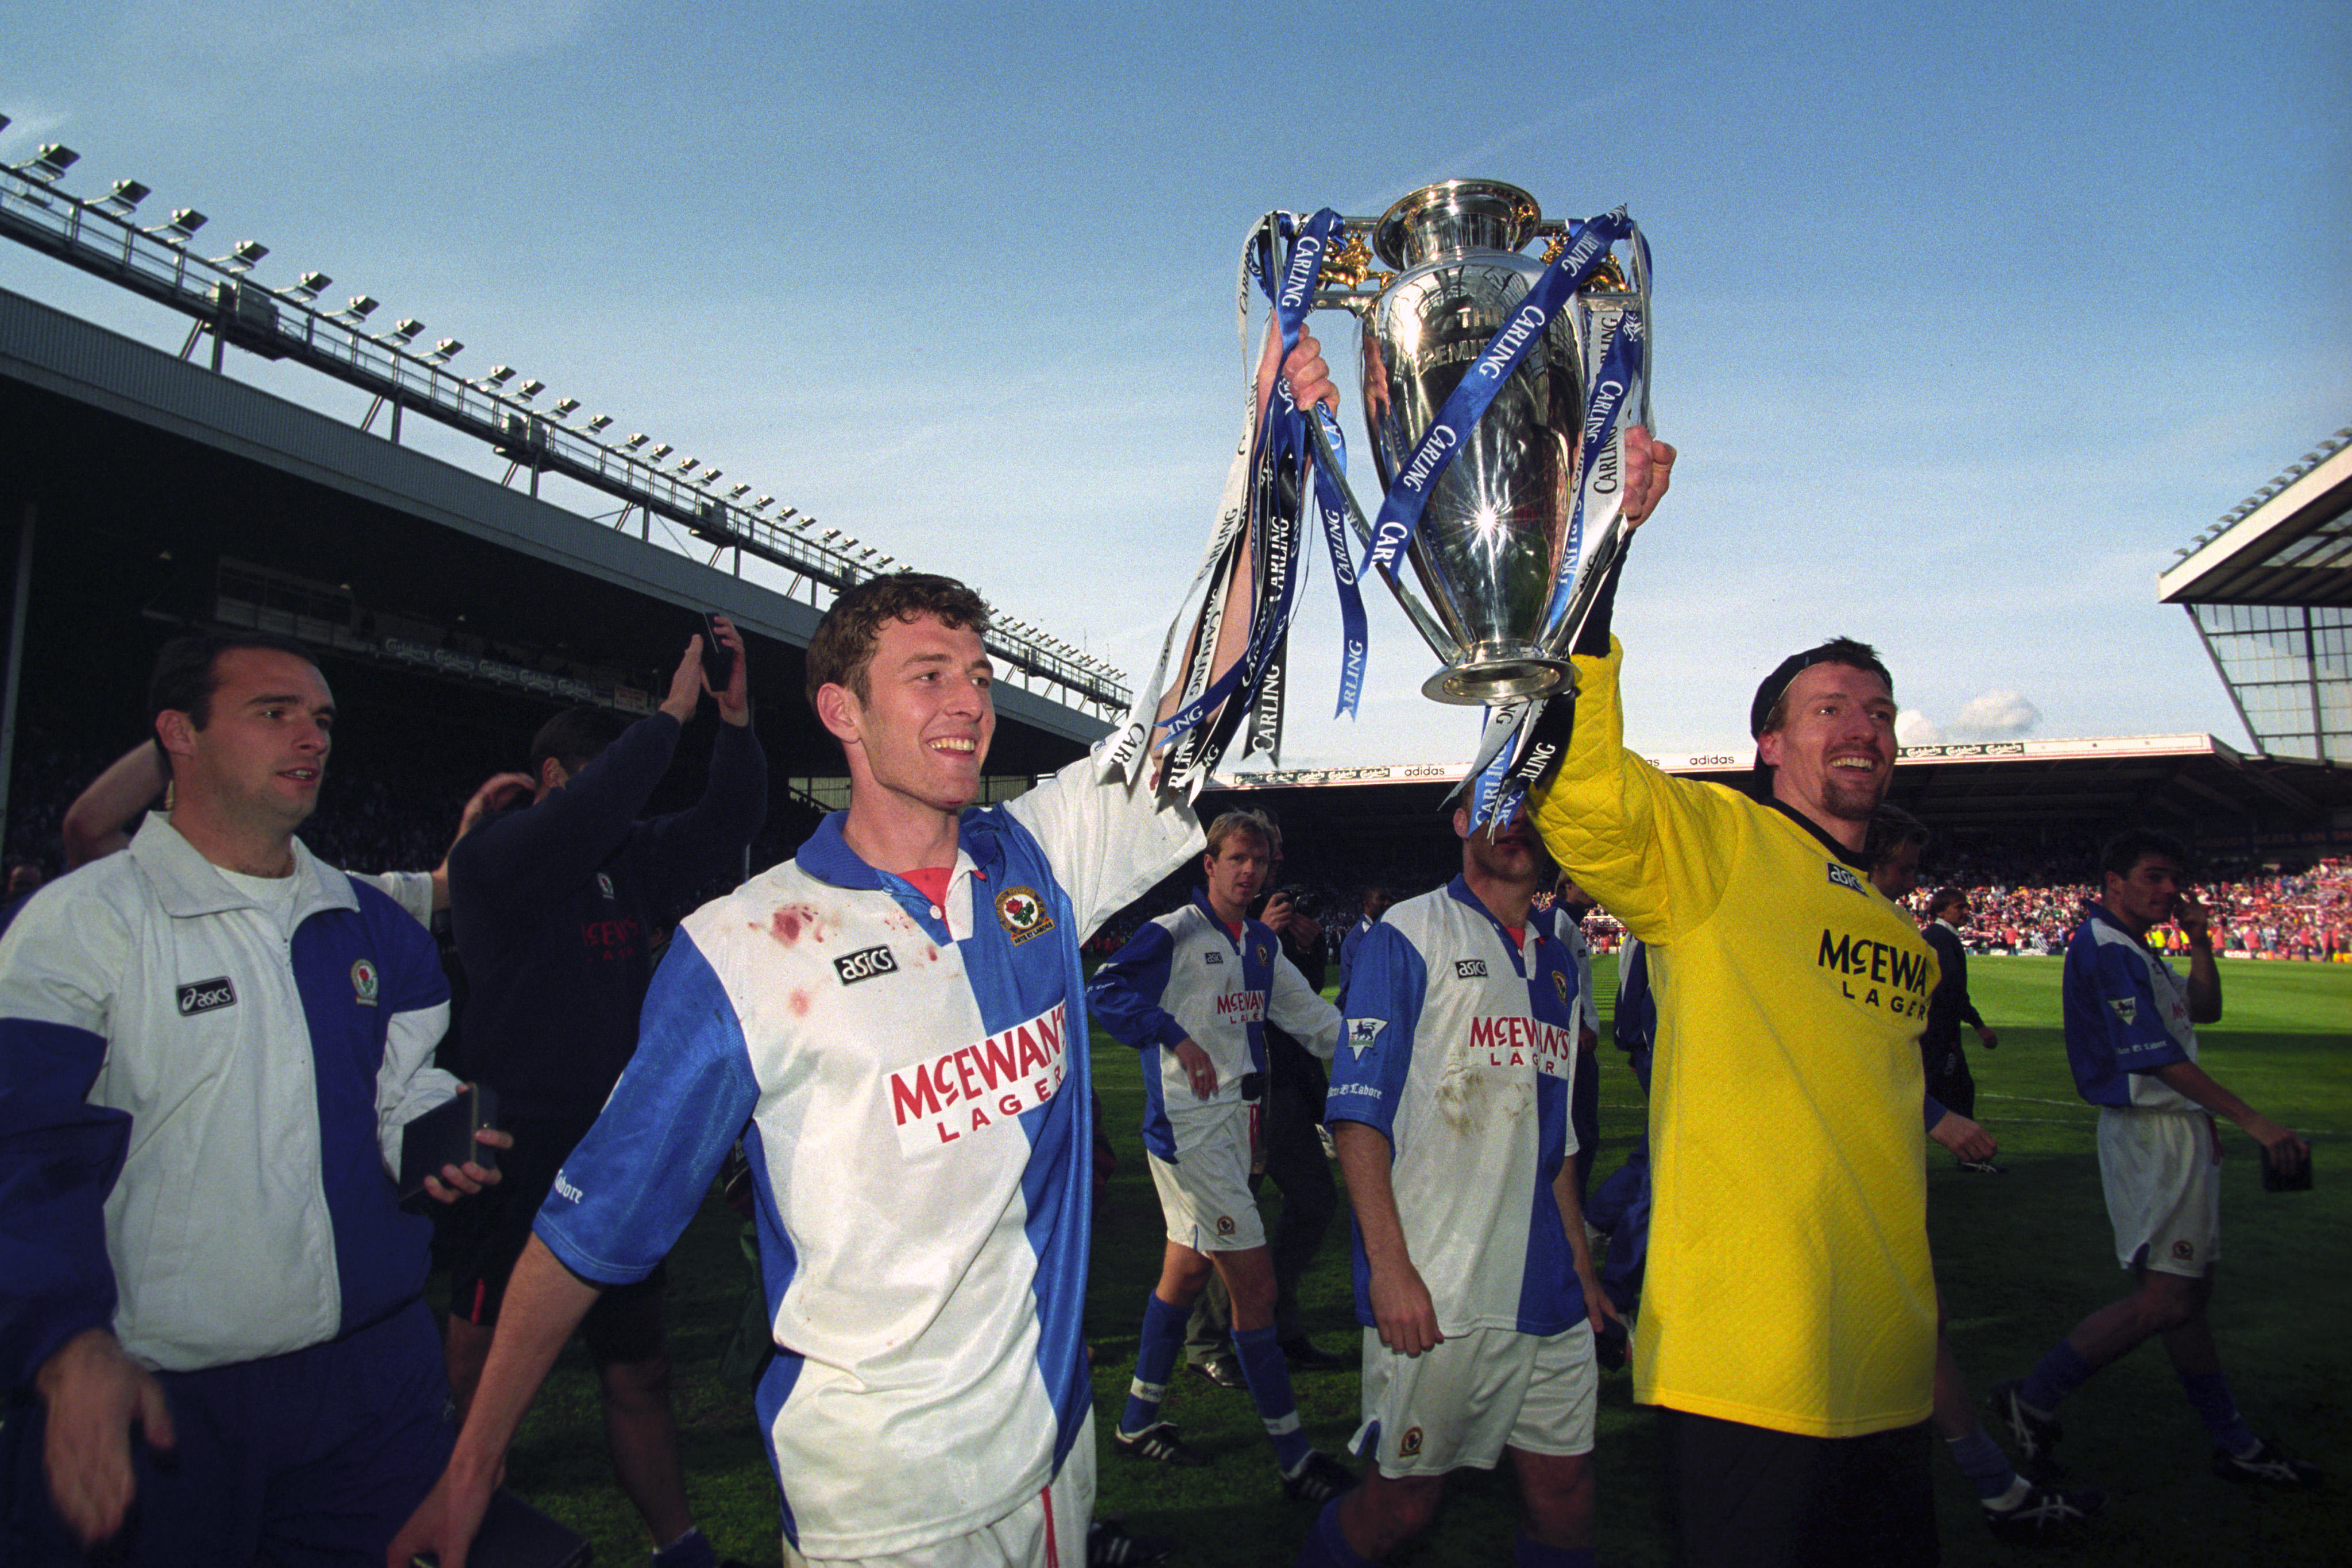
point(1447, 650)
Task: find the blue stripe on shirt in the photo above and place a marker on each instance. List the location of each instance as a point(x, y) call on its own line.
point(59, 1156)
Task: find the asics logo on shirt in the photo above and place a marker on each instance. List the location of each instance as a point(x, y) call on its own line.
point(864, 964)
point(1469, 968)
point(1843, 876)
point(1212, 956)
point(204, 996)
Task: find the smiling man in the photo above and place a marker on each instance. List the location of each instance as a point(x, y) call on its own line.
point(1789, 1316)
point(210, 1047)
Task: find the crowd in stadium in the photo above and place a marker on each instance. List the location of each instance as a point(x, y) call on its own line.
point(2022, 902)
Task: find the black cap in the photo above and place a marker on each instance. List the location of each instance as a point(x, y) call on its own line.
point(1836, 651)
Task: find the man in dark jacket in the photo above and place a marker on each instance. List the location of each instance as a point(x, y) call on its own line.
point(1949, 1078)
point(556, 905)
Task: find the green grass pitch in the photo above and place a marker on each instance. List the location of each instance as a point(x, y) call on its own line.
point(2020, 1257)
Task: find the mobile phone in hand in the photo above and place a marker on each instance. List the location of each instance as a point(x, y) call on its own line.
point(444, 1136)
point(718, 658)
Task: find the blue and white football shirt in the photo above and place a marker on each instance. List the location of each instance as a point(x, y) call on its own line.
point(914, 1081)
point(2127, 1014)
point(1460, 1048)
point(1186, 975)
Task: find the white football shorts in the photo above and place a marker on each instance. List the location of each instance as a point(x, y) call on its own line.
point(2162, 1172)
point(1462, 1403)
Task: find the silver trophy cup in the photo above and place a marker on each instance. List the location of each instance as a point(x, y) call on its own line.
point(1488, 549)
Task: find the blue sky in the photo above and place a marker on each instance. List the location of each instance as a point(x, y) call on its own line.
point(1967, 318)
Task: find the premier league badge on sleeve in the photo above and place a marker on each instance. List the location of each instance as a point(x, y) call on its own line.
point(1363, 1032)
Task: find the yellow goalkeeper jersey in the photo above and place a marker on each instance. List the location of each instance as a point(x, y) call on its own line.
point(1789, 1284)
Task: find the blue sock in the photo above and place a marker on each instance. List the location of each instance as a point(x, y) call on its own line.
point(1268, 1376)
point(692, 1550)
point(2055, 1376)
point(1982, 1460)
point(1155, 1358)
point(1529, 1552)
point(2209, 1395)
point(1326, 1546)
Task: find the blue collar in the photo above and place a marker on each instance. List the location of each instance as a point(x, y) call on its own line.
point(827, 856)
point(1201, 902)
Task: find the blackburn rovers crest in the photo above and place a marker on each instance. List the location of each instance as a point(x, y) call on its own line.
point(1021, 914)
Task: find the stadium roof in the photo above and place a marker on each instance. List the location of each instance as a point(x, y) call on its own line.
point(2192, 783)
point(2290, 543)
point(2269, 588)
point(146, 465)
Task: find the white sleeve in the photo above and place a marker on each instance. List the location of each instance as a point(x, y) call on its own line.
point(406, 1085)
point(1296, 1009)
point(1588, 1007)
point(1108, 844)
point(411, 889)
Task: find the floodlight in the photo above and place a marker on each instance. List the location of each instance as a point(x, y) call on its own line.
point(126, 195)
point(596, 425)
point(307, 287)
point(886, 560)
point(53, 160)
point(788, 512)
point(499, 376)
point(764, 503)
point(243, 257)
point(360, 307)
point(687, 464)
point(661, 450)
point(186, 221)
point(402, 332)
point(634, 441)
point(738, 492)
point(830, 534)
point(447, 349)
point(564, 406)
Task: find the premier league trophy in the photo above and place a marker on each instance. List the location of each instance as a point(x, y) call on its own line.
point(1495, 385)
point(1507, 555)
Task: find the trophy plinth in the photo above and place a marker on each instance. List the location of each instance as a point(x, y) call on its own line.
point(1499, 672)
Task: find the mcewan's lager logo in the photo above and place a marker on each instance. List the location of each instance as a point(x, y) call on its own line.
point(1520, 1041)
point(1876, 974)
point(1023, 914)
point(939, 1099)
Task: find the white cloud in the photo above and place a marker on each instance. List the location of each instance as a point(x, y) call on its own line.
point(1913, 727)
point(1997, 715)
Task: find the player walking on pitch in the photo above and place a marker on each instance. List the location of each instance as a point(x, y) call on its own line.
point(1194, 991)
point(1474, 1281)
point(2131, 1039)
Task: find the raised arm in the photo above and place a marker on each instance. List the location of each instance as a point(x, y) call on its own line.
point(101, 817)
point(2204, 975)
